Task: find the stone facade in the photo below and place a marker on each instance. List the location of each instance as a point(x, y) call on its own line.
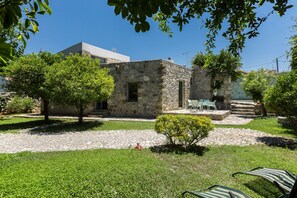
point(200, 88)
point(175, 77)
point(158, 84)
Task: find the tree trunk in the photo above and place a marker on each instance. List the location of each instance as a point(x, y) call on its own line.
point(80, 114)
point(293, 122)
point(264, 111)
point(45, 110)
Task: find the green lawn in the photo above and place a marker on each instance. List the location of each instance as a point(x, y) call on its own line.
point(13, 125)
point(131, 173)
point(267, 125)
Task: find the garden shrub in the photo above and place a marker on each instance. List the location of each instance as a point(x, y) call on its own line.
point(20, 105)
point(183, 129)
point(4, 99)
point(282, 97)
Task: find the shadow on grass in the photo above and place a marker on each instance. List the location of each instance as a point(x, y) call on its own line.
point(59, 128)
point(25, 125)
point(263, 188)
point(279, 142)
point(179, 149)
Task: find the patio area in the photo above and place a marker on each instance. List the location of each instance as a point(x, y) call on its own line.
point(213, 114)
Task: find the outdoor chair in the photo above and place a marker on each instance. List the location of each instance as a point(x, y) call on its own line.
point(205, 103)
point(196, 104)
point(212, 104)
point(216, 191)
point(284, 180)
point(190, 105)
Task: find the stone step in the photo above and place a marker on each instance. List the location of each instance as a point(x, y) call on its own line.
point(242, 103)
point(236, 106)
point(243, 112)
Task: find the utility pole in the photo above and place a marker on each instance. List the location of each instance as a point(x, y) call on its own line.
point(277, 68)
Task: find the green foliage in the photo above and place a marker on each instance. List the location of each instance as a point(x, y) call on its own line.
point(4, 99)
point(130, 173)
point(19, 105)
point(240, 16)
point(27, 76)
point(282, 97)
point(12, 13)
point(293, 51)
point(223, 64)
point(255, 83)
point(79, 81)
point(184, 129)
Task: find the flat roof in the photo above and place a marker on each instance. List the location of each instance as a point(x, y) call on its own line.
point(95, 51)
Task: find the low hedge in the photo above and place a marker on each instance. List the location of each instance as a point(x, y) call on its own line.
point(183, 129)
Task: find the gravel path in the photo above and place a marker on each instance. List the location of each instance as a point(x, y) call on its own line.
point(12, 143)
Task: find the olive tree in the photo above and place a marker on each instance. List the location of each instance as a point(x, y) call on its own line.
point(79, 81)
point(255, 83)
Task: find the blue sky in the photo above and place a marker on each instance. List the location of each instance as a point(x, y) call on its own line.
point(94, 22)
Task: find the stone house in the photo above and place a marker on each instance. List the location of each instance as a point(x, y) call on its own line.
point(142, 88)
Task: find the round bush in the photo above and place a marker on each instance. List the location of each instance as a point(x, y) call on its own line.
point(183, 129)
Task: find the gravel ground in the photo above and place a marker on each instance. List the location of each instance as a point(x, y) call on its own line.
point(25, 141)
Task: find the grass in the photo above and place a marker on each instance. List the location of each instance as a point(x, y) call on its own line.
point(131, 173)
point(267, 125)
point(13, 125)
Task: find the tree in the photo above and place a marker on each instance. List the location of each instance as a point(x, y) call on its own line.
point(79, 81)
point(224, 64)
point(255, 83)
point(282, 97)
point(293, 51)
point(17, 47)
point(241, 16)
point(27, 76)
point(19, 15)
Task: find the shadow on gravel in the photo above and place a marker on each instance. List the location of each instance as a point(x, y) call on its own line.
point(279, 142)
point(60, 128)
point(179, 149)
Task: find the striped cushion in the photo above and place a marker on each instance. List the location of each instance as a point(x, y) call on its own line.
point(284, 179)
point(218, 192)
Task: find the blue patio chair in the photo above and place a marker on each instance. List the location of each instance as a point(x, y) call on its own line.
point(196, 104)
point(205, 103)
point(190, 105)
point(212, 104)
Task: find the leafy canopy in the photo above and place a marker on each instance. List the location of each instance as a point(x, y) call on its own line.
point(255, 83)
point(19, 15)
point(222, 64)
point(79, 81)
point(282, 97)
point(240, 15)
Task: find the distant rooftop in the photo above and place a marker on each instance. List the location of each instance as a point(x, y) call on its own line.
point(95, 51)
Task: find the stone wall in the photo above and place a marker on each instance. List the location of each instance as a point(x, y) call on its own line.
point(200, 88)
point(148, 75)
point(237, 91)
point(172, 75)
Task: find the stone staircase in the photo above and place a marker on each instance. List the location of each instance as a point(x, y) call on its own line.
point(243, 108)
